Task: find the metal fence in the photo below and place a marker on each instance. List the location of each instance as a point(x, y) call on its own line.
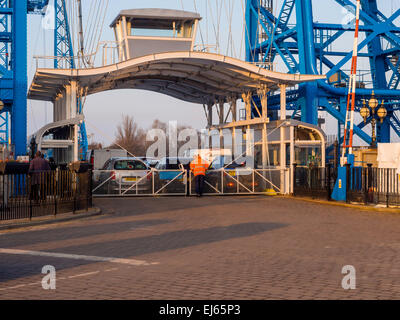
point(366, 184)
point(44, 193)
point(374, 185)
point(314, 182)
point(181, 182)
point(239, 181)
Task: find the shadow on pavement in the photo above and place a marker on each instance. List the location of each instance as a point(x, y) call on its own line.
point(170, 241)
point(14, 267)
point(72, 232)
point(139, 206)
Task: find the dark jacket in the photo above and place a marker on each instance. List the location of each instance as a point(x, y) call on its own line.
point(36, 169)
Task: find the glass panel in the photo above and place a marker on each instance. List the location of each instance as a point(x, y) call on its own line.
point(274, 155)
point(174, 30)
point(308, 156)
point(152, 32)
point(129, 165)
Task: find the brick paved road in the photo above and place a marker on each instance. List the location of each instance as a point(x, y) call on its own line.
point(209, 248)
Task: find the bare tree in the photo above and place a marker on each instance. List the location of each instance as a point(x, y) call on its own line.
point(157, 124)
point(133, 138)
point(95, 146)
point(130, 136)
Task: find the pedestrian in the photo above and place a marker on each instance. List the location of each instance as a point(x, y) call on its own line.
point(52, 164)
point(199, 167)
point(38, 169)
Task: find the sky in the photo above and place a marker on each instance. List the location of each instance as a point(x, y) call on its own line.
point(103, 111)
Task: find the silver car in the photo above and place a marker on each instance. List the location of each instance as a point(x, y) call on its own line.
point(125, 176)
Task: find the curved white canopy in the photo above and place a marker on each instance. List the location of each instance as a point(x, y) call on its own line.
point(196, 77)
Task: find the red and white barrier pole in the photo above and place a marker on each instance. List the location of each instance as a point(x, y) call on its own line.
point(351, 98)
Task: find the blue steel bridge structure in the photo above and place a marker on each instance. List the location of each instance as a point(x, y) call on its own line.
point(294, 38)
point(13, 65)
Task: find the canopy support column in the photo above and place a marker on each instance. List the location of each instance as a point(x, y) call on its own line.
point(233, 108)
point(262, 92)
point(283, 138)
point(221, 105)
point(210, 122)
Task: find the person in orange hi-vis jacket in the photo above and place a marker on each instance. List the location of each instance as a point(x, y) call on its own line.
point(199, 167)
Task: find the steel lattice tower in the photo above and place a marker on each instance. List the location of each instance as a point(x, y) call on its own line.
point(13, 69)
point(306, 47)
point(64, 53)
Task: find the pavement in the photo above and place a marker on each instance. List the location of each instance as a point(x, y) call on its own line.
point(250, 247)
point(36, 221)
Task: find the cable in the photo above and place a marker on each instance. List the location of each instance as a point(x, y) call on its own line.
point(201, 33)
point(102, 25)
point(215, 30)
point(219, 13)
point(247, 30)
point(31, 68)
point(229, 13)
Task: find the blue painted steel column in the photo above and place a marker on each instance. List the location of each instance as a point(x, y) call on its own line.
point(6, 82)
point(377, 62)
point(383, 130)
point(4, 135)
point(19, 63)
point(307, 62)
point(251, 32)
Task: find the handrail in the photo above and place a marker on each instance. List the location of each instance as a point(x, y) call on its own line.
point(89, 58)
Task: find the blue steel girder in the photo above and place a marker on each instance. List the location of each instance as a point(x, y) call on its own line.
point(253, 11)
point(376, 60)
point(286, 12)
point(332, 39)
point(37, 6)
point(304, 42)
point(4, 130)
point(64, 53)
point(5, 38)
point(395, 124)
point(342, 118)
point(6, 75)
point(284, 54)
point(63, 50)
point(395, 78)
point(13, 70)
point(386, 28)
point(20, 79)
point(282, 22)
point(373, 24)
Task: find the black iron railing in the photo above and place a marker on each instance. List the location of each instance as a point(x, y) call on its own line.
point(38, 194)
point(374, 186)
point(314, 182)
point(366, 184)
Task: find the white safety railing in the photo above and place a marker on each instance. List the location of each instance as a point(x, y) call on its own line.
point(139, 183)
point(239, 181)
point(105, 54)
point(182, 182)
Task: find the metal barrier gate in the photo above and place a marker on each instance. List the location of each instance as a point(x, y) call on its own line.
point(181, 182)
point(239, 181)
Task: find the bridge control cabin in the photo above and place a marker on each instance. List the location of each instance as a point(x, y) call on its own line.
point(141, 32)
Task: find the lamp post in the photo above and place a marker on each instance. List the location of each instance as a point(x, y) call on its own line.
point(370, 111)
